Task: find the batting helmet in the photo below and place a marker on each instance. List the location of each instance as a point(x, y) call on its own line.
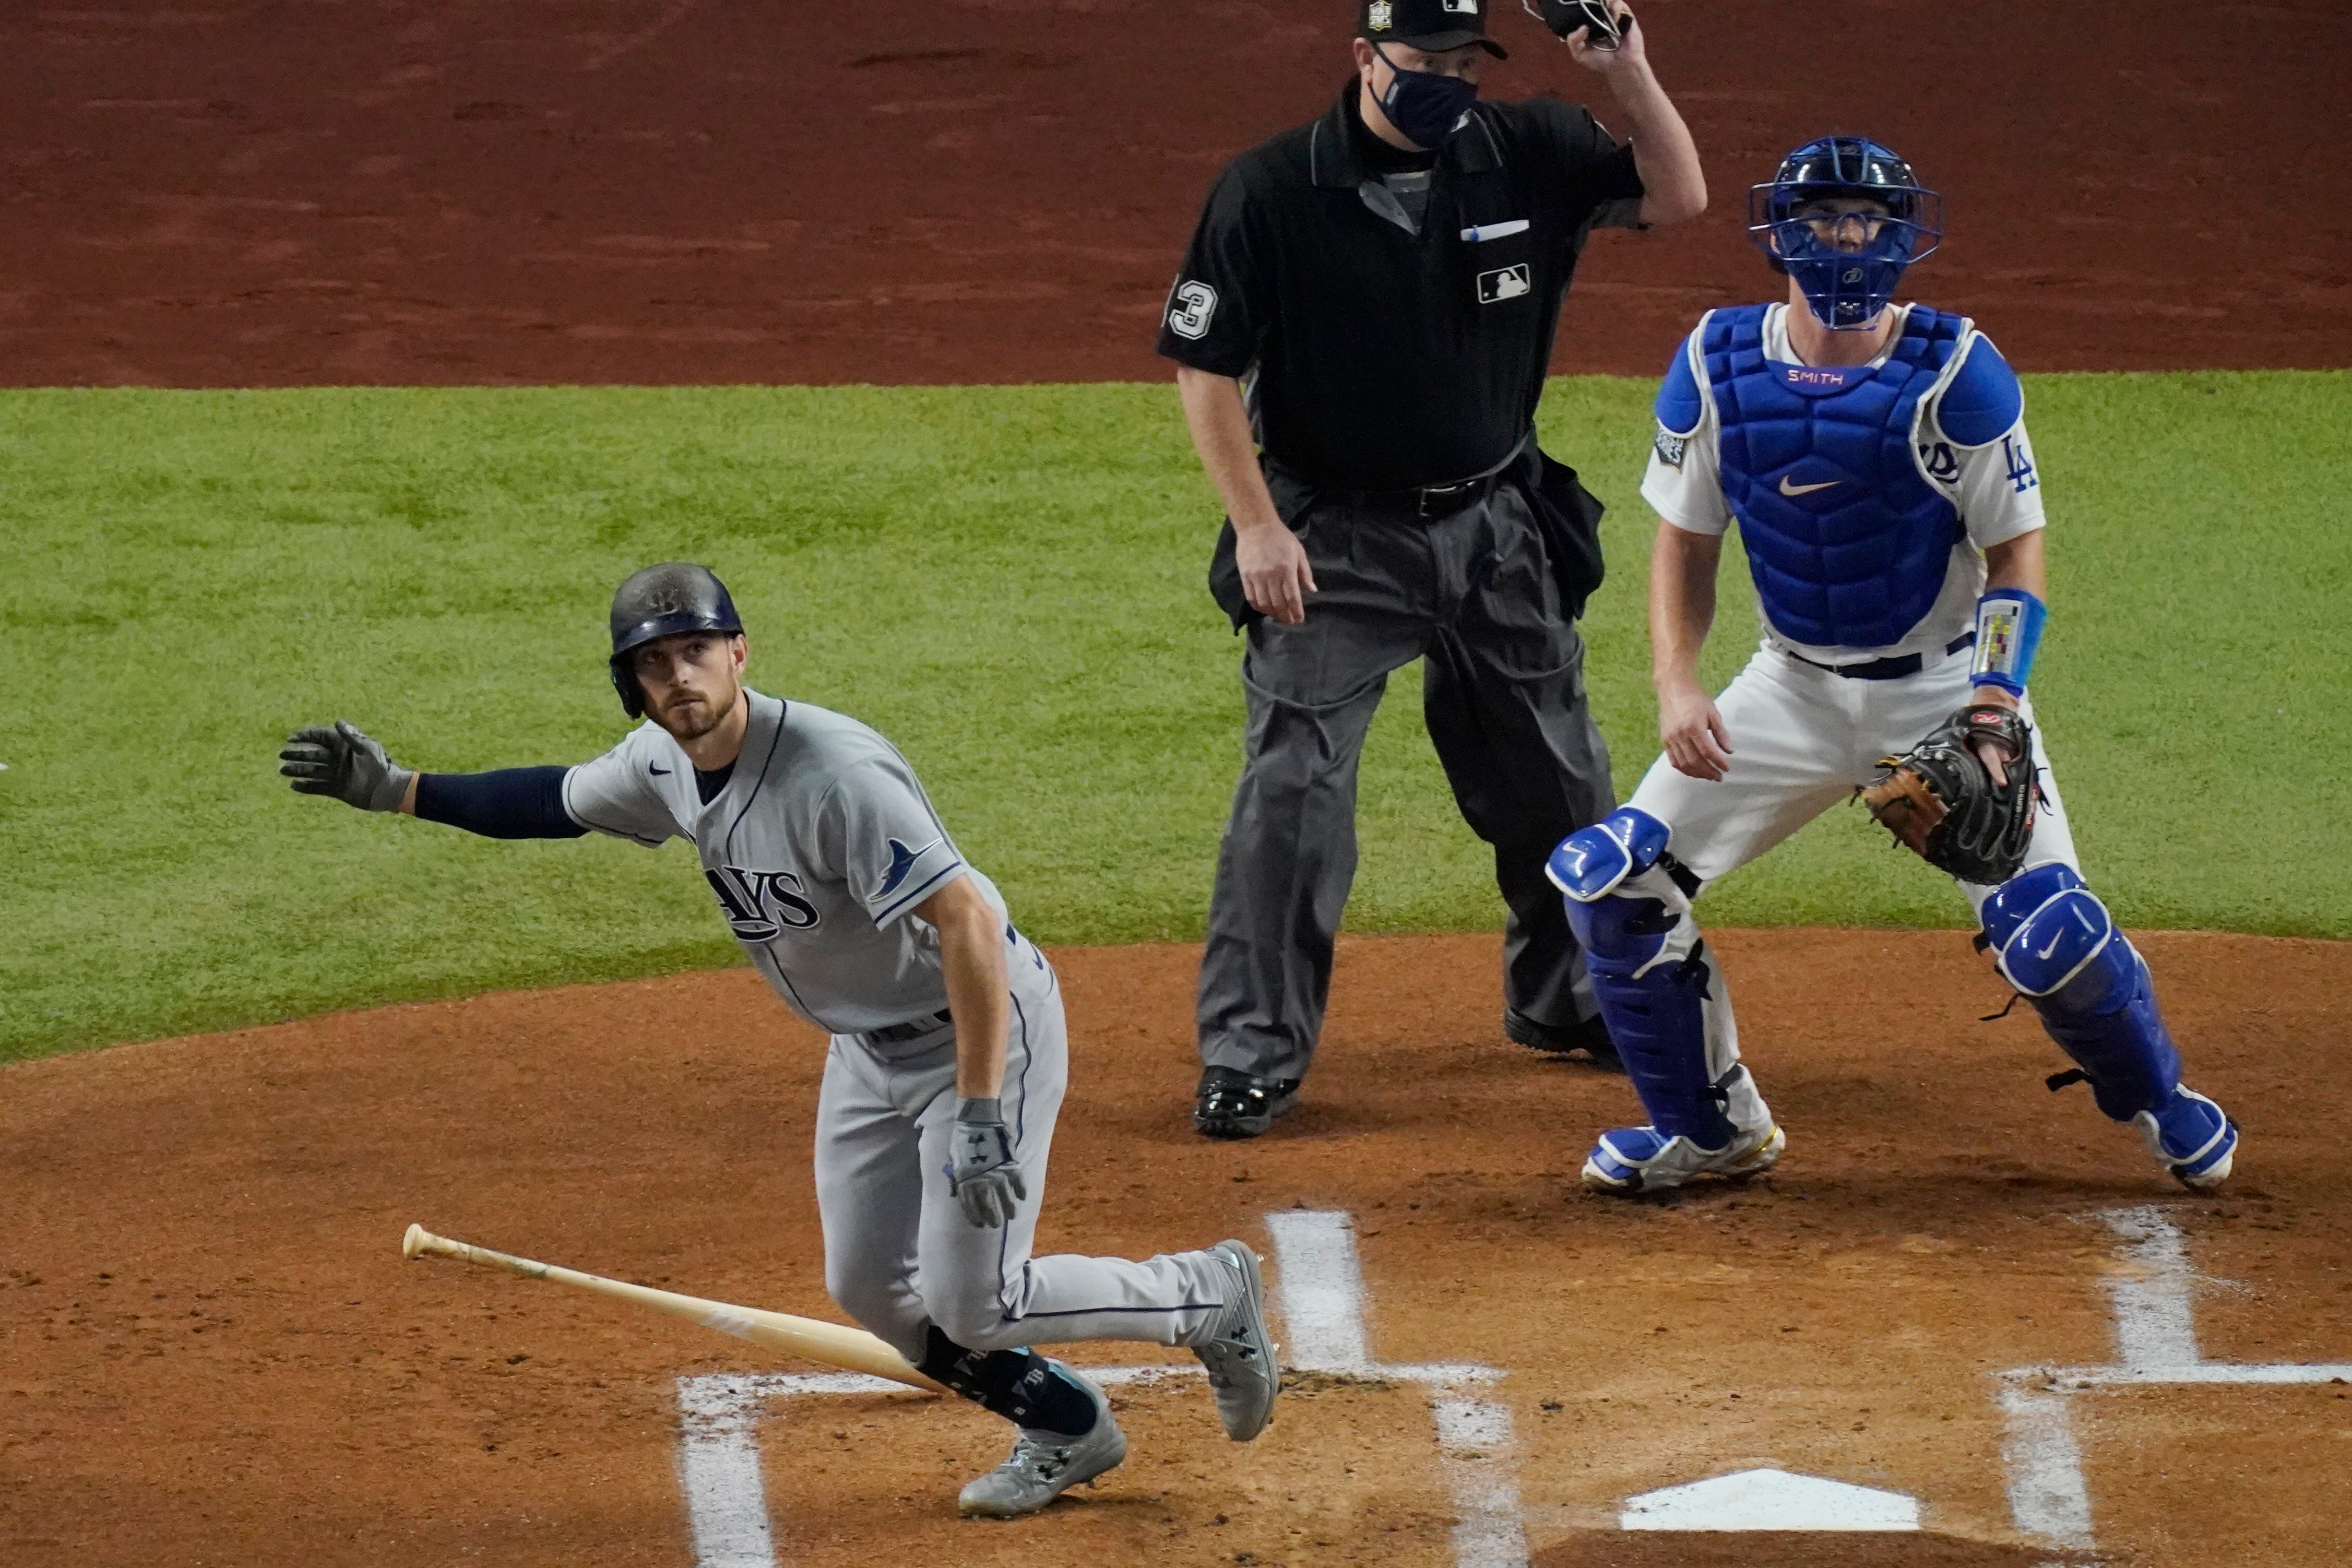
point(1846, 288)
point(659, 602)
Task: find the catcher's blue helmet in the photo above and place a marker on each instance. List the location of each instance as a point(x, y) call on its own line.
point(1845, 288)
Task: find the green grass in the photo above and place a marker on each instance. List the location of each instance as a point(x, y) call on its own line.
point(1008, 582)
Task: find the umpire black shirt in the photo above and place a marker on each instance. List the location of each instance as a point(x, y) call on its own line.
point(1390, 353)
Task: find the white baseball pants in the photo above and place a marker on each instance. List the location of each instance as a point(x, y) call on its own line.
point(1803, 741)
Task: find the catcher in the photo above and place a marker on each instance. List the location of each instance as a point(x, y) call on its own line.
point(1874, 456)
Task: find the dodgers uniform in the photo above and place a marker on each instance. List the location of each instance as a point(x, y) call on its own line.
point(1804, 738)
point(1865, 496)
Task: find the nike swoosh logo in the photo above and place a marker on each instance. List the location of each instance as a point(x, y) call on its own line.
point(2046, 952)
point(1788, 490)
point(664, 771)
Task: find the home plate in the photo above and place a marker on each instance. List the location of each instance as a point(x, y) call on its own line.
point(1769, 1499)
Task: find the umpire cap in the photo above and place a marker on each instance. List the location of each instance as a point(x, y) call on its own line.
point(1432, 25)
point(660, 601)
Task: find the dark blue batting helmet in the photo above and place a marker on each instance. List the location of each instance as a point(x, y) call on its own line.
point(1848, 273)
point(659, 602)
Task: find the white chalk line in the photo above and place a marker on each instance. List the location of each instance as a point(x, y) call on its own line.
point(1324, 1309)
point(2155, 1343)
point(1323, 1306)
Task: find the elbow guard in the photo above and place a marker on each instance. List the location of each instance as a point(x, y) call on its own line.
point(2009, 630)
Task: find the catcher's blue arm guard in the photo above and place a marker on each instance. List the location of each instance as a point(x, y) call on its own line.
point(2009, 632)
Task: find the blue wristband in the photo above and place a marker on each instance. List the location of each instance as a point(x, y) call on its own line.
point(2009, 631)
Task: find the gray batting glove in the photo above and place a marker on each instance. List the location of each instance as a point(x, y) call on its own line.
point(982, 1173)
point(345, 763)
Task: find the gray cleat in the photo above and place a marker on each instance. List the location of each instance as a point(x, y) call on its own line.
point(1043, 1464)
point(1240, 1355)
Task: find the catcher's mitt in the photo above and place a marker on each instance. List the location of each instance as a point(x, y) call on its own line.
point(1604, 20)
point(1939, 798)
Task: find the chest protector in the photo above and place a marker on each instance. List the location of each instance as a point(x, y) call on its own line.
point(1848, 543)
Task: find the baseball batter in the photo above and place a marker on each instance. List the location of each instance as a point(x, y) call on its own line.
point(1875, 458)
point(949, 1055)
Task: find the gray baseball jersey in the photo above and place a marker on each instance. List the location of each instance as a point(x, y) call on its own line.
point(818, 848)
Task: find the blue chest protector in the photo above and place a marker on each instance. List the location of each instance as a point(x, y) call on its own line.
point(1848, 544)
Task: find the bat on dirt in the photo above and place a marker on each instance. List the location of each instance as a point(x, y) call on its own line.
point(830, 1344)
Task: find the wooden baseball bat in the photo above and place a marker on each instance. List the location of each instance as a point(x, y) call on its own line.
point(829, 1345)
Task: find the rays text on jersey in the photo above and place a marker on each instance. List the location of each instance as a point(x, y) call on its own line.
point(760, 905)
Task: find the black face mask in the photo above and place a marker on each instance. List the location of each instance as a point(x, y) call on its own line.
point(1426, 107)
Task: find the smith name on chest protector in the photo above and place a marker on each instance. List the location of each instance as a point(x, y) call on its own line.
point(1848, 541)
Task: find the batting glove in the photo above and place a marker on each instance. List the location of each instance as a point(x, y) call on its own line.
point(981, 1175)
point(345, 763)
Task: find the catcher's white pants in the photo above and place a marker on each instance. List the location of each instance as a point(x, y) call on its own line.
point(1803, 741)
point(898, 1252)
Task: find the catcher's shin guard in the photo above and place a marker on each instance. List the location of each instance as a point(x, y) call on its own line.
point(2054, 941)
point(1657, 985)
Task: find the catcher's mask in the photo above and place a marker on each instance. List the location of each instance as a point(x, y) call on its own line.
point(659, 602)
point(1846, 287)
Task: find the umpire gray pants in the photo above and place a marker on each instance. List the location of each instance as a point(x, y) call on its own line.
point(1473, 596)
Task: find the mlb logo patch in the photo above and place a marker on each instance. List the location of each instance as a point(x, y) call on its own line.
point(1502, 283)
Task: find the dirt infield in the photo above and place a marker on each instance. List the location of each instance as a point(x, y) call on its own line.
point(211, 1350)
point(266, 193)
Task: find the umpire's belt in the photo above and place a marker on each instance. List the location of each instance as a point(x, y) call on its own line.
point(1888, 669)
point(899, 1034)
point(1425, 501)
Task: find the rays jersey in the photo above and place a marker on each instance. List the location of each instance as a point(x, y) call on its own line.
point(818, 848)
point(1866, 495)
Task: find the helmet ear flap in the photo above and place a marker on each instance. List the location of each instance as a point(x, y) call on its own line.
point(625, 681)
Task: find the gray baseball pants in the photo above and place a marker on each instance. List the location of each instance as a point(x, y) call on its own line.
point(1473, 596)
point(898, 1252)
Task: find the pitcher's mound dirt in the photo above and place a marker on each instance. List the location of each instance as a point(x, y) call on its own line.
point(210, 1348)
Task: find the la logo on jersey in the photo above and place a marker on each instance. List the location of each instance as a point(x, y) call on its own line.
point(760, 905)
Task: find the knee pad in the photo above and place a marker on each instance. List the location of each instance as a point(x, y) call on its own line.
point(2057, 944)
point(1657, 985)
point(1589, 862)
point(1019, 1384)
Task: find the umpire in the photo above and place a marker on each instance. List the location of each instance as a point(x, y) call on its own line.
point(1360, 329)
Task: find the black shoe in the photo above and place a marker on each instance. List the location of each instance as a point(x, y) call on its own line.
point(1590, 1037)
point(1235, 1104)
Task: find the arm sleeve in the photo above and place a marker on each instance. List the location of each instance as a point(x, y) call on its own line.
point(610, 796)
point(1579, 165)
point(876, 826)
point(1219, 307)
point(512, 803)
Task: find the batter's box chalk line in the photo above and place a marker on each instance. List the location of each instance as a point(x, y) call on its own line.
point(2156, 1342)
point(1322, 1301)
point(1322, 1305)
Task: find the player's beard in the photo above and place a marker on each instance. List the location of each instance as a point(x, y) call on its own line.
point(690, 715)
